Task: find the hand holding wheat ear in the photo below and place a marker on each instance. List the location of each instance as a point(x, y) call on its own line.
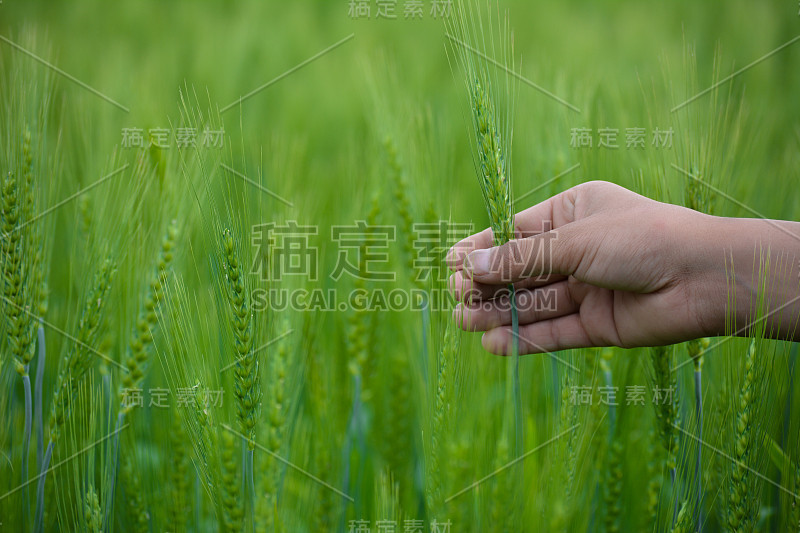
point(618, 270)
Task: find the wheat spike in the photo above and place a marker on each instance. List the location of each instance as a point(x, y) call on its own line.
point(247, 387)
point(742, 503)
point(81, 355)
point(139, 352)
point(92, 513)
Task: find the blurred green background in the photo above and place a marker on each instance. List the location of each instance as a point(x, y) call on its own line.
point(317, 138)
point(613, 60)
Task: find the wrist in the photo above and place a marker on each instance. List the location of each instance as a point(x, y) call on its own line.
point(710, 242)
point(744, 261)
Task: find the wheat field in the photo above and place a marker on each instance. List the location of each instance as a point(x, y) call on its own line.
point(225, 301)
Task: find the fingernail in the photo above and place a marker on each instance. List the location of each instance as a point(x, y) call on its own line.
point(478, 262)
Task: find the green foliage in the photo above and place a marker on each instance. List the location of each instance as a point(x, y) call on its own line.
point(79, 357)
point(146, 278)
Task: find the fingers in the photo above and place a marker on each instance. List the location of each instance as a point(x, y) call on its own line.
point(558, 252)
point(532, 221)
point(456, 254)
point(599, 236)
point(560, 333)
point(465, 289)
point(565, 208)
point(534, 305)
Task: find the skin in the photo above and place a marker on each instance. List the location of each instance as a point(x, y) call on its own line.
point(599, 265)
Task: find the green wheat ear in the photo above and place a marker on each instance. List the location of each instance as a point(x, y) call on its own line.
point(278, 406)
point(492, 136)
point(742, 504)
point(79, 357)
point(613, 485)
point(18, 292)
point(442, 418)
point(136, 510)
point(92, 513)
point(232, 509)
point(247, 387)
point(473, 35)
point(494, 178)
point(179, 474)
point(136, 360)
point(667, 414)
point(683, 524)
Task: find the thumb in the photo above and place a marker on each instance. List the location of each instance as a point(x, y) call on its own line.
point(553, 252)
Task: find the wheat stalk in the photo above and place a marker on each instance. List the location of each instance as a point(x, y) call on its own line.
point(698, 197)
point(360, 364)
point(742, 504)
point(493, 139)
point(73, 369)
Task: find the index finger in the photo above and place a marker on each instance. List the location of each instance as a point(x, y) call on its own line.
point(460, 250)
point(532, 221)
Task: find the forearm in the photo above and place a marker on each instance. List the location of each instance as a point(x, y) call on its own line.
point(752, 276)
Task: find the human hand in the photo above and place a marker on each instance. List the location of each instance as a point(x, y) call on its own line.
point(612, 269)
